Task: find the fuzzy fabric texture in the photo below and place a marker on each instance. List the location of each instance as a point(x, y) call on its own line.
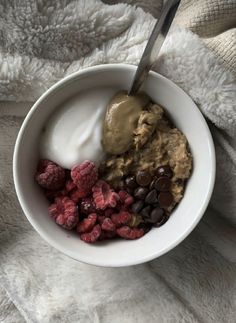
point(213, 20)
point(193, 283)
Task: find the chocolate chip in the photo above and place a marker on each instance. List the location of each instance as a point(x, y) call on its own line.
point(164, 171)
point(143, 178)
point(131, 182)
point(156, 215)
point(151, 198)
point(129, 190)
point(145, 226)
point(165, 199)
point(152, 184)
point(140, 193)
point(163, 184)
point(137, 206)
point(161, 222)
point(146, 212)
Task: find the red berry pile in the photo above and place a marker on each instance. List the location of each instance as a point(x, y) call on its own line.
point(80, 201)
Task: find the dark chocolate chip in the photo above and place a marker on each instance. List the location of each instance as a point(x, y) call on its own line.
point(145, 226)
point(161, 222)
point(137, 206)
point(152, 185)
point(163, 184)
point(131, 182)
point(140, 193)
point(164, 171)
point(145, 213)
point(143, 178)
point(165, 199)
point(156, 215)
point(151, 198)
point(129, 190)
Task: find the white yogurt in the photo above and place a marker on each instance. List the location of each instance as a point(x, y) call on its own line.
point(74, 131)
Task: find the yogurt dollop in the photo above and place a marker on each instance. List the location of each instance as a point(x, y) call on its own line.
point(74, 131)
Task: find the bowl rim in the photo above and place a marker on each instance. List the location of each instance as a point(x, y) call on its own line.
point(36, 105)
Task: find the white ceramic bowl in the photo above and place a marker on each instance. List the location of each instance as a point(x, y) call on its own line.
point(185, 217)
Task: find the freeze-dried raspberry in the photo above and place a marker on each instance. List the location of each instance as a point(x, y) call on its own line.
point(104, 196)
point(126, 198)
point(49, 175)
point(76, 195)
point(87, 224)
point(87, 206)
point(84, 175)
point(92, 236)
point(70, 185)
point(108, 225)
point(121, 218)
point(65, 213)
point(126, 232)
point(51, 195)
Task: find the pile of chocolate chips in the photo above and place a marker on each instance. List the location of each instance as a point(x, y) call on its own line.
point(152, 194)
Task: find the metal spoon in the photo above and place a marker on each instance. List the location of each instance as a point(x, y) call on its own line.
point(154, 44)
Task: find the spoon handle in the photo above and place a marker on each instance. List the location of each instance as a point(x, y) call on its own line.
point(154, 44)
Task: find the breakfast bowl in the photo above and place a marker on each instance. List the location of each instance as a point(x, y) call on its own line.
point(100, 83)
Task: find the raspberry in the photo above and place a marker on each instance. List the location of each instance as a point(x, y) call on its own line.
point(65, 213)
point(108, 225)
point(76, 195)
point(87, 224)
point(104, 196)
point(121, 218)
point(87, 206)
point(70, 185)
point(84, 175)
point(126, 232)
point(92, 236)
point(49, 175)
point(126, 198)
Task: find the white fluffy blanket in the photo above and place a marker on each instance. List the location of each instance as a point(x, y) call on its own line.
point(40, 42)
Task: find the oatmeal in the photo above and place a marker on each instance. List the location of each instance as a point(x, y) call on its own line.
point(154, 142)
